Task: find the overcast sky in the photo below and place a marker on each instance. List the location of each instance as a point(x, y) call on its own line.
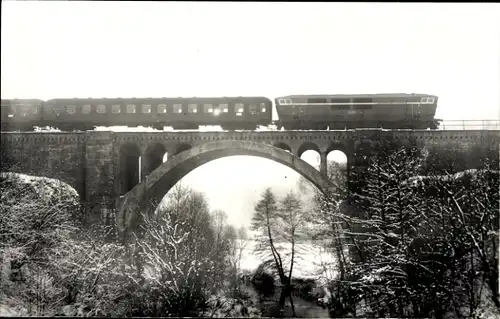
point(136, 49)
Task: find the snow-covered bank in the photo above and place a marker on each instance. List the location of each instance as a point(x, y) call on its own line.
point(312, 260)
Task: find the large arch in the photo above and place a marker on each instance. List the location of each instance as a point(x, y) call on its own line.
point(164, 177)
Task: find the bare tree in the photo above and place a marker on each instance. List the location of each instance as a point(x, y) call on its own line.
point(242, 244)
point(280, 224)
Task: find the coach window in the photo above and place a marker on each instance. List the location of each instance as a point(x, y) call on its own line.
point(101, 108)
point(263, 107)
point(146, 108)
point(131, 108)
point(12, 110)
point(161, 108)
point(24, 108)
point(252, 108)
point(71, 109)
point(177, 108)
point(86, 109)
point(192, 108)
point(116, 108)
point(58, 109)
point(238, 109)
point(208, 108)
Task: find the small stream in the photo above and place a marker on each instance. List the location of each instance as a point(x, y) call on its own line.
point(303, 308)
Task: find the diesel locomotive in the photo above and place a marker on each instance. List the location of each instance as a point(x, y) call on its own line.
point(295, 112)
point(390, 111)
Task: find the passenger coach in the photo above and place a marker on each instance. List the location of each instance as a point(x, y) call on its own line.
point(179, 113)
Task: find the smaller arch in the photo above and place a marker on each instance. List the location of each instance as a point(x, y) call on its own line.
point(307, 146)
point(336, 155)
point(337, 146)
point(283, 146)
point(130, 149)
point(182, 147)
point(313, 158)
point(337, 166)
point(129, 167)
point(153, 157)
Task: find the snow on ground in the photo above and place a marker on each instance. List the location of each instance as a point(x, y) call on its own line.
point(50, 184)
point(312, 261)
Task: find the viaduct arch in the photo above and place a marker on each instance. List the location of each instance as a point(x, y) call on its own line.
point(153, 188)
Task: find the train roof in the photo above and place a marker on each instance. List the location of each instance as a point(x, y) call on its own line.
point(376, 95)
point(160, 98)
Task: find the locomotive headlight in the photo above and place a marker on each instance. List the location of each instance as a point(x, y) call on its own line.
point(210, 110)
point(216, 112)
point(240, 110)
point(195, 110)
point(263, 109)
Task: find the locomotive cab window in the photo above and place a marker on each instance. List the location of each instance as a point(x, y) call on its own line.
point(162, 108)
point(131, 108)
point(177, 108)
point(86, 109)
point(192, 108)
point(207, 108)
point(116, 108)
point(146, 108)
point(101, 108)
point(71, 109)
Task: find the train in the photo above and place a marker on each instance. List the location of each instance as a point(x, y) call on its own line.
point(295, 112)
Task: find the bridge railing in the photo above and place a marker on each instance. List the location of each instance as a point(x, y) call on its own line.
point(449, 125)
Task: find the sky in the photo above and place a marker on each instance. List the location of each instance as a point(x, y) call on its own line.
point(54, 49)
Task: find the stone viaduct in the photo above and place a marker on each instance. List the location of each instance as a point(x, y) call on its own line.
point(122, 171)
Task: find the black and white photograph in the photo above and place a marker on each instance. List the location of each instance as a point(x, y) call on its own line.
point(250, 159)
